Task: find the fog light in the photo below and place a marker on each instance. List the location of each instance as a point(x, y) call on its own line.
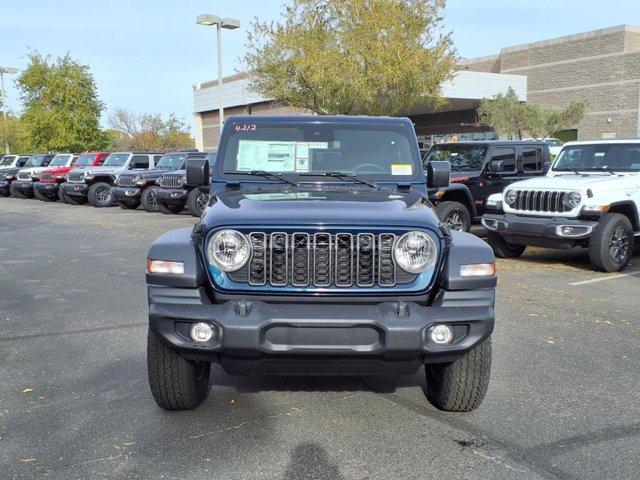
point(442, 334)
point(201, 332)
point(566, 230)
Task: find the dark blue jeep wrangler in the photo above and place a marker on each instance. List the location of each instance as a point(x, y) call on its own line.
point(319, 253)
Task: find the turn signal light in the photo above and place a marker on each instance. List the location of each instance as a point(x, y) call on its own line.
point(165, 266)
point(478, 270)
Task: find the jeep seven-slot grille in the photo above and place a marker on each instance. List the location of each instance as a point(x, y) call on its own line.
point(46, 176)
point(126, 180)
point(75, 177)
point(321, 260)
point(540, 201)
point(24, 175)
point(170, 181)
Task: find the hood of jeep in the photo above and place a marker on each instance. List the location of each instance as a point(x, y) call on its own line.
point(594, 182)
point(99, 170)
point(32, 170)
point(307, 207)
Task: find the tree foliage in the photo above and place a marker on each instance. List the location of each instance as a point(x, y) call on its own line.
point(376, 57)
point(148, 131)
point(61, 105)
point(508, 116)
point(13, 132)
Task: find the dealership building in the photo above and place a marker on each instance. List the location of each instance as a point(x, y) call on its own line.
point(601, 67)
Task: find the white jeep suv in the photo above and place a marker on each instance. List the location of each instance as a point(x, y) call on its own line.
point(590, 197)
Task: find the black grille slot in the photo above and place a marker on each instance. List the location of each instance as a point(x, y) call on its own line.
point(258, 264)
point(301, 260)
point(540, 201)
point(322, 259)
point(386, 266)
point(279, 258)
point(365, 260)
point(344, 260)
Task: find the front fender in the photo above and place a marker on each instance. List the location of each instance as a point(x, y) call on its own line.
point(466, 249)
point(177, 246)
point(458, 192)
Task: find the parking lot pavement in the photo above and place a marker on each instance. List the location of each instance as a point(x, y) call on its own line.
point(563, 402)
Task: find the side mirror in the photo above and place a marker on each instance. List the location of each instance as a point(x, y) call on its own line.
point(198, 172)
point(438, 174)
point(496, 166)
point(546, 167)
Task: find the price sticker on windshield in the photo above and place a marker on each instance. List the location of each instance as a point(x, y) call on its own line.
point(401, 169)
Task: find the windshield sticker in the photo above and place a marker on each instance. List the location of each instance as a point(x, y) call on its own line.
point(599, 154)
point(270, 156)
point(401, 169)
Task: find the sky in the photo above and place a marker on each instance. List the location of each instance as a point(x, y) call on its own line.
point(146, 55)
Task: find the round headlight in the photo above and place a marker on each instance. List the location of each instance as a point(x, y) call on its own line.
point(572, 199)
point(415, 252)
point(510, 197)
point(228, 250)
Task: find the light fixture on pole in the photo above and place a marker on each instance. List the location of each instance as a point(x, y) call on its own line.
point(3, 100)
point(230, 24)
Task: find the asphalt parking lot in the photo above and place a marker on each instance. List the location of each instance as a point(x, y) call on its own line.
point(563, 403)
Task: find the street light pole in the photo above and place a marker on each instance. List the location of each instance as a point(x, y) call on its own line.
point(3, 97)
point(220, 23)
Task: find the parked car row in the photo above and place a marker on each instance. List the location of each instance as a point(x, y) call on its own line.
point(129, 179)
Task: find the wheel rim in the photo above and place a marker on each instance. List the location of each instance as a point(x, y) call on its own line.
point(619, 244)
point(201, 202)
point(153, 200)
point(454, 221)
point(103, 195)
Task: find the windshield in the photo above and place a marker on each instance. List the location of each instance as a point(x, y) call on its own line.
point(7, 160)
point(618, 157)
point(34, 161)
point(85, 160)
point(60, 161)
point(171, 161)
point(461, 157)
point(382, 151)
point(116, 160)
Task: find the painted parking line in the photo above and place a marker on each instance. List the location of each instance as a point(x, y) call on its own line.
point(615, 276)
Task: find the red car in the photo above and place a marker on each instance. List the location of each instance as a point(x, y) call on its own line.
point(48, 188)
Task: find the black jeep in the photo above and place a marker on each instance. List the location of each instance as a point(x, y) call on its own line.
point(479, 169)
point(320, 254)
point(176, 193)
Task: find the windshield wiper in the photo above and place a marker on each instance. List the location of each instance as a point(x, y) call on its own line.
point(339, 176)
point(265, 174)
point(605, 169)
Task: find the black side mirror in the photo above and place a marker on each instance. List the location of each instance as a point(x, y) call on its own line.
point(198, 172)
point(496, 166)
point(546, 167)
point(438, 174)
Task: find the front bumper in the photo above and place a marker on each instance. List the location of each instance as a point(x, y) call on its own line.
point(176, 196)
point(24, 186)
point(76, 189)
point(47, 188)
point(126, 193)
point(540, 231)
point(315, 337)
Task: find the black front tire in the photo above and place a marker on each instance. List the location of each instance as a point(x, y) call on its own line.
point(71, 199)
point(460, 386)
point(176, 383)
point(129, 205)
point(197, 202)
point(15, 192)
point(100, 195)
point(169, 208)
point(42, 197)
point(149, 200)
point(607, 253)
point(502, 248)
point(455, 215)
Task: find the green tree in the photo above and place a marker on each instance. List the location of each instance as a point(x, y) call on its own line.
point(148, 131)
point(376, 57)
point(13, 132)
point(508, 116)
point(61, 105)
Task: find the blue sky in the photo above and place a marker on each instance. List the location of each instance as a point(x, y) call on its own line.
point(146, 55)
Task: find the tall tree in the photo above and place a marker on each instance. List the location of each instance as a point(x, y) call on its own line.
point(508, 116)
point(376, 57)
point(148, 131)
point(61, 105)
point(13, 132)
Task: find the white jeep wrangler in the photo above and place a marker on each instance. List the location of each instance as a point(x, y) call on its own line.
point(590, 197)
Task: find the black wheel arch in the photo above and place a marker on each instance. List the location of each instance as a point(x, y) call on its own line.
point(456, 192)
point(629, 210)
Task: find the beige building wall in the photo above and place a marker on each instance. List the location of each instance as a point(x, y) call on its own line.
point(600, 67)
